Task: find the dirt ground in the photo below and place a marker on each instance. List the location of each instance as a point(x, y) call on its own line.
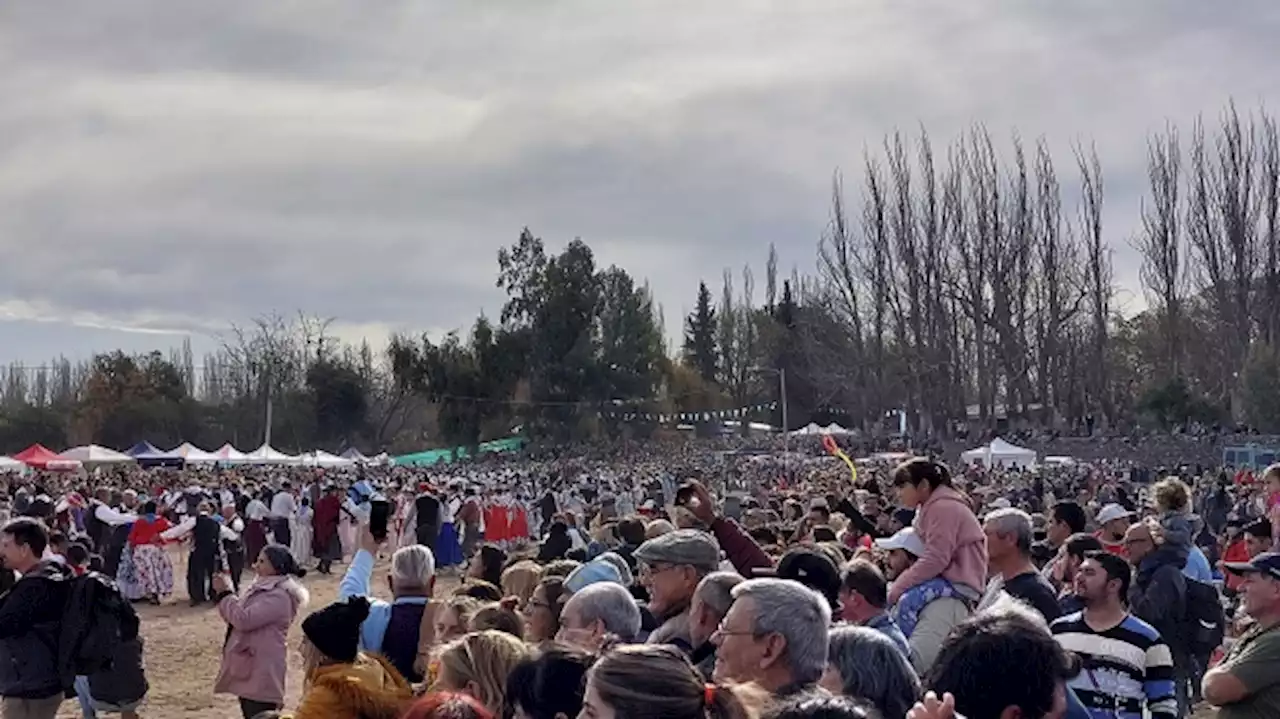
point(184, 647)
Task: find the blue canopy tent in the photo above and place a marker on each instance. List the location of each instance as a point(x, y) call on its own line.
point(148, 455)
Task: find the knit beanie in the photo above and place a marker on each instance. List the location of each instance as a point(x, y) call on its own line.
point(335, 630)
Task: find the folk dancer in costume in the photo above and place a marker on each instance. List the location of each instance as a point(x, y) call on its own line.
point(471, 517)
point(302, 531)
point(358, 509)
point(151, 563)
point(233, 549)
point(448, 547)
point(325, 541)
point(424, 518)
point(206, 558)
point(283, 509)
point(255, 528)
point(101, 524)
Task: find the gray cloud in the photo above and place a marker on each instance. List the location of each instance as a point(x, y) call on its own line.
point(182, 165)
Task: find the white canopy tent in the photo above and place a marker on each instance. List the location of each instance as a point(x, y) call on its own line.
point(228, 454)
point(9, 464)
point(192, 454)
point(321, 458)
point(807, 430)
point(1000, 454)
point(834, 428)
point(267, 454)
point(92, 454)
point(356, 456)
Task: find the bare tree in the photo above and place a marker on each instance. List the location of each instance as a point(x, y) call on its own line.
point(1098, 278)
point(1160, 243)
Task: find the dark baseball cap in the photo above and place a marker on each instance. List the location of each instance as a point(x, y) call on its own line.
point(812, 568)
point(1267, 563)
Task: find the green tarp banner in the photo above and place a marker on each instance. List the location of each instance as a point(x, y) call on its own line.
point(433, 456)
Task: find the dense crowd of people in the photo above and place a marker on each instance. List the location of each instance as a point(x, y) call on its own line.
point(662, 581)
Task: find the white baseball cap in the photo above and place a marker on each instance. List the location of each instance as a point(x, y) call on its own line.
point(1110, 512)
point(905, 539)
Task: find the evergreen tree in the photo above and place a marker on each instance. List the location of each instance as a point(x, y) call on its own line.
point(700, 337)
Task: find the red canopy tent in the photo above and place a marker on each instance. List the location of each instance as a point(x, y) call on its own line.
point(39, 456)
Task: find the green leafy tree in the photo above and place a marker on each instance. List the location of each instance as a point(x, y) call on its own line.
point(1260, 382)
point(127, 398)
point(339, 399)
point(553, 303)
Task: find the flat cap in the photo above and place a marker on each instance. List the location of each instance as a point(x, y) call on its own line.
point(683, 546)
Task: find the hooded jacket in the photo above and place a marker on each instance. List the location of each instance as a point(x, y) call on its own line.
point(368, 688)
point(1158, 595)
point(955, 547)
point(30, 630)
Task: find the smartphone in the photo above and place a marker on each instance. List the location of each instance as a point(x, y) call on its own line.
point(683, 495)
point(379, 515)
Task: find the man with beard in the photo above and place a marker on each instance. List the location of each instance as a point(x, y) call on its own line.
point(1127, 668)
point(1113, 521)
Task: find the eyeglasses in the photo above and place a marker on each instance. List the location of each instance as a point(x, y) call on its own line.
point(652, 570)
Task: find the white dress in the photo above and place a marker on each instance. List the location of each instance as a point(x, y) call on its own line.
point(301, 533)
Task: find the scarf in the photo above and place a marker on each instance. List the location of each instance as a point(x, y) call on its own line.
point(906, 613)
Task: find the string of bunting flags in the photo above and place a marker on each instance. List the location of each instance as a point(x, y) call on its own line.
point(706, 416)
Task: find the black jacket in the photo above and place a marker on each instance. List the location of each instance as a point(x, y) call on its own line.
point(1159, 598)
point(125, 681)
point(30, 632)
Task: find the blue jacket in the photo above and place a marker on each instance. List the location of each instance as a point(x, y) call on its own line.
point(356, 583)
point(1197, 566)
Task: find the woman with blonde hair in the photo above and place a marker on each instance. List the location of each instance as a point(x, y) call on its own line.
point(653, 681)
point(453, 618)
point(520, 579)
point(341, 681)
point(478, 664)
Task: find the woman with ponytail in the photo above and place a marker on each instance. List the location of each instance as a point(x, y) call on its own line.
point(254, 657)
point(649, 681)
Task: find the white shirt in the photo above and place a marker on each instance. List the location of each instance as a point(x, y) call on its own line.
point(108, 515)
point(257, 510)
point(283, 505)
point(188, 524)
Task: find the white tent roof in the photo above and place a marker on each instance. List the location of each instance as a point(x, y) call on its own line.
point(1000, 453)
point(834, 428)
point(95, 454)
point(192, 454)
point(321, 458)
point(227, 453)
point(267, 454)
point(808, 429)
point(9, 464)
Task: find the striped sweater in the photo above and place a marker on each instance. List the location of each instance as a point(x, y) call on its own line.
point(1124, 669)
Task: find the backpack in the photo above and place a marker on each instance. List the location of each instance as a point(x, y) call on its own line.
point(92, 625)
point(1206, 619)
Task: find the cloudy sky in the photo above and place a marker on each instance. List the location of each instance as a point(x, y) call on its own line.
point(168, 167)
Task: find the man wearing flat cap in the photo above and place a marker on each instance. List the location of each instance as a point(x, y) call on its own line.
point(670, 568)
